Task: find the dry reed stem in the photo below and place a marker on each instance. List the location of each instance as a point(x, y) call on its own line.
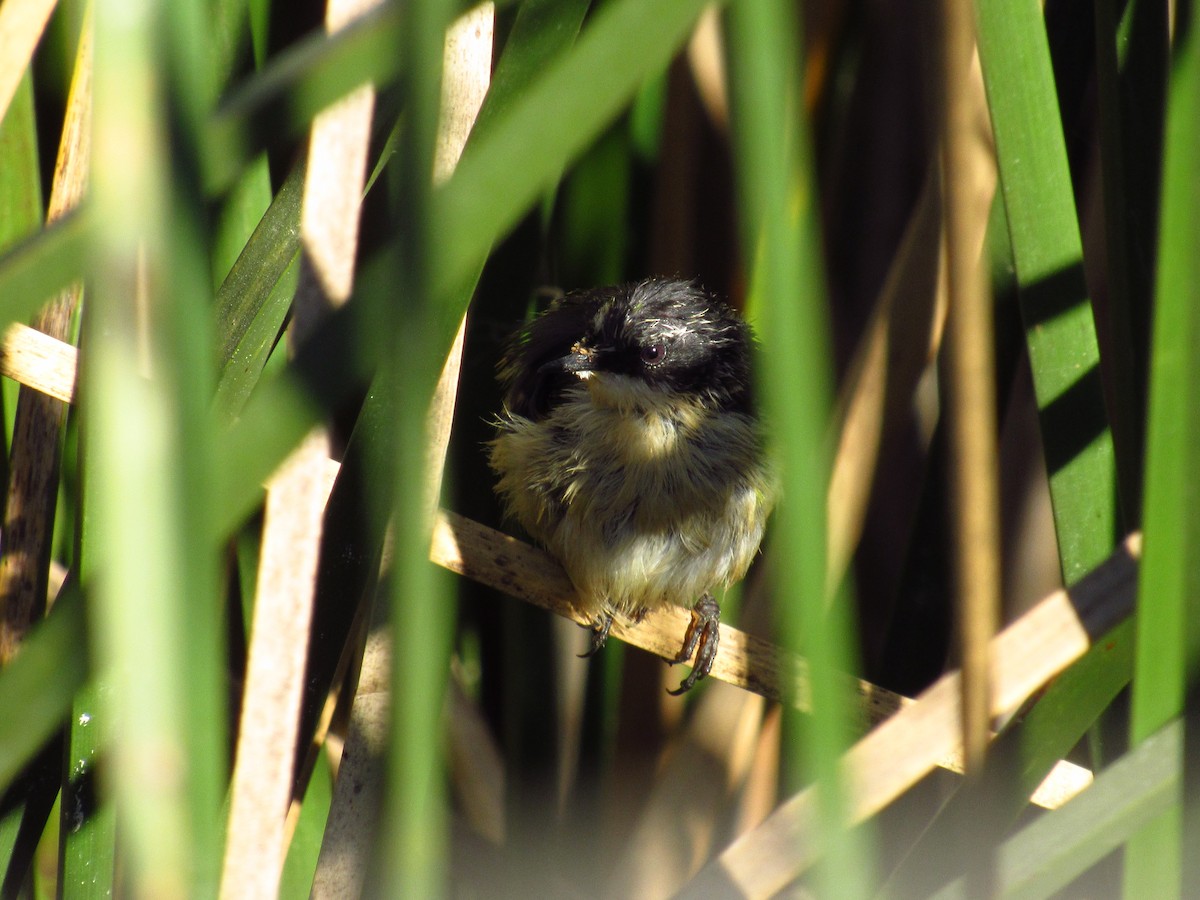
point(971, 385)
point(39, 362)
point(261, 785)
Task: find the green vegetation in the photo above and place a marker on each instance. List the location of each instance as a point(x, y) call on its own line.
point(784, 154)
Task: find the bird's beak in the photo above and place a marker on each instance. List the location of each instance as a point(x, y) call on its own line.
point(580, 361)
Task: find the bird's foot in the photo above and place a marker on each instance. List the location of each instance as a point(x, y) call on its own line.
point(702, 637)
point(600, 627)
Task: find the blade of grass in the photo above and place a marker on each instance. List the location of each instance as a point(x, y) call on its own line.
point(145, 397)
point(185, 342)
point(87, 844)
point(779, 225)
point(1168, 637)
point(412, 838)
point(301, 863)
point(251, 193)
point(260, 13)
point(231, 35)
point(245, 323)
point(38, 267)
point(241, 212)
point(20, 184)
point(241, 375)
point(542, 31)
point(36, 689)
point(1047, 254)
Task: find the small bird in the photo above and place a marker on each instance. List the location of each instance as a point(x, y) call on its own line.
point(629, 447)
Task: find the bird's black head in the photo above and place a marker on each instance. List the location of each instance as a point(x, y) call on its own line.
point(669, 335)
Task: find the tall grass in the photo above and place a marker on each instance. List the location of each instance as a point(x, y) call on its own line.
point(780, 153)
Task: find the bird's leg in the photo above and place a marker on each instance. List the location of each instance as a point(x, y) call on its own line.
point(600, 627)
point(702, 637)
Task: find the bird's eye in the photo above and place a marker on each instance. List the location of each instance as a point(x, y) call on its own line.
point(653, 354)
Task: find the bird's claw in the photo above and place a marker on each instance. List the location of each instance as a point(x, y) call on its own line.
point(600, 627)
point(703, 636)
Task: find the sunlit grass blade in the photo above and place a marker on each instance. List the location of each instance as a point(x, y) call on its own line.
point(779, 225)
point(1047, 253)
point(1168, 640)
